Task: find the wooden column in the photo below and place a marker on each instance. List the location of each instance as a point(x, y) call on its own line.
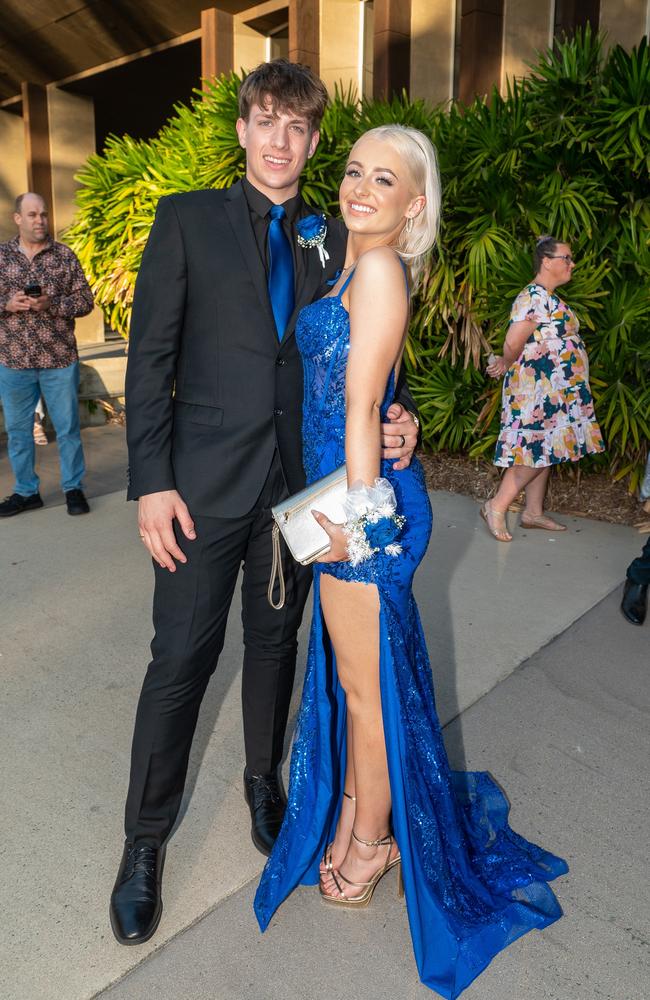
point(433, 31)
point(13, 170)
point(304, 28)
point(37, 144)
point(392, 48)
point(527, 30)
point(481, 43)
point(217, 45)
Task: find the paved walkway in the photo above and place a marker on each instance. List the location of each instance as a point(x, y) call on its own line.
point(105, 454)
point(548, 687)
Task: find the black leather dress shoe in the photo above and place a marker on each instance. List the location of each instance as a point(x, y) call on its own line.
point(136, 901)
point(76, 502)
point(635, 602)
point(267, 801)
point(16, 504)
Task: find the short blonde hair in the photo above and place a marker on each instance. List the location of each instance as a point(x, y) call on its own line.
point(421, 161)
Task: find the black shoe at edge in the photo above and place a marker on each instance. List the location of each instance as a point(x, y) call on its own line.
point(76, 502)
point(267, 802)
point(635, 602)
point(17, 504)
point(136, 901)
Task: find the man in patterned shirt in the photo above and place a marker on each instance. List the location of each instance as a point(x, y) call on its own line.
point(42, 291)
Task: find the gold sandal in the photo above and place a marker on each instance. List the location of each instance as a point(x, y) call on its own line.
point(363, 899)
point(486, 513)
point(327, 856)
point(541, 521)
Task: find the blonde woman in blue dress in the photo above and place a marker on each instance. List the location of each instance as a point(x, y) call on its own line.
point(371, 789)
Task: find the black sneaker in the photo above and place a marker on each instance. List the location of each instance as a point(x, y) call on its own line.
point(16, 504)
point(76, 502)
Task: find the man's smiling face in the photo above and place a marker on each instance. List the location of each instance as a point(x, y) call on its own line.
point(278, 143)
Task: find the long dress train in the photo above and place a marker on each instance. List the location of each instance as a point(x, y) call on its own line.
point(472, 884)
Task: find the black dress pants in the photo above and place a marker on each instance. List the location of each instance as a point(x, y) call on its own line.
point(639, 569)
point(190, 611)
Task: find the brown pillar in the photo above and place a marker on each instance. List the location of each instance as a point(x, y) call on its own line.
point(481, 41)
point(217, 46)
point(304, 27)
point(392, 48)
point(37, 144)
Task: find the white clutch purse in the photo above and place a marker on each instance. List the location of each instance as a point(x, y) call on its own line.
point(305, 538)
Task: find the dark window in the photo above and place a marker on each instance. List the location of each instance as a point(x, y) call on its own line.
point(572, 14)
point(138, 97)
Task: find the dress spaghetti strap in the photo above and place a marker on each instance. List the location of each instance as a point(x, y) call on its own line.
point(345, 283)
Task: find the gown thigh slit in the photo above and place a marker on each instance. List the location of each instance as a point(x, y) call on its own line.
point(472, 885)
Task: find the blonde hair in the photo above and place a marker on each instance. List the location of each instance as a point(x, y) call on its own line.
point(421, 161)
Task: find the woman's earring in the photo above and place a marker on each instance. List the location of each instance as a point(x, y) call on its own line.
point(409, 224)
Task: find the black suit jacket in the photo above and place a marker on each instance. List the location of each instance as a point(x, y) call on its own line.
point(210, 391)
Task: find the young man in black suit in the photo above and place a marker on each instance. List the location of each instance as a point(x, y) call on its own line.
point(214, 397)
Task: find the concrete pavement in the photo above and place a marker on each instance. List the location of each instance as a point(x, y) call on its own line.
point(105, 454)
point(564, 734)
point(567, 734)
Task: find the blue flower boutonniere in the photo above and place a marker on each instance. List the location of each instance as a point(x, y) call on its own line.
point(312, 231)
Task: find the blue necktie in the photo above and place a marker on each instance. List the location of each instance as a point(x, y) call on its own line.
point(281, 290)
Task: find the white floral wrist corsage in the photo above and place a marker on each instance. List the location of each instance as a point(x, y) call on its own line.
point(371, 524)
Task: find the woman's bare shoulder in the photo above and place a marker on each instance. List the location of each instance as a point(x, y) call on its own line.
point(380, 268)
point(381, 258)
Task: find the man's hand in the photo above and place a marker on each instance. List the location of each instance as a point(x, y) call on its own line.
point(156, 513)
point(338, 542)
point(19, 302)
point(40, 304)
point(399, 437)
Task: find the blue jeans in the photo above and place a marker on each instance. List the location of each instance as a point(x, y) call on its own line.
point(20, 389)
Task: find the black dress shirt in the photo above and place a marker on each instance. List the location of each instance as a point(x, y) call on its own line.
point(259, 207)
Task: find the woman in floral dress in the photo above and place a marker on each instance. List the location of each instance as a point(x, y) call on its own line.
point(548, 413)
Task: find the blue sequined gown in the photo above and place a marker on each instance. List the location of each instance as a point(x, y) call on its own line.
point(472, 884)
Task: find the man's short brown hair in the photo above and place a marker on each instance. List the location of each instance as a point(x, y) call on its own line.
point(285, 86)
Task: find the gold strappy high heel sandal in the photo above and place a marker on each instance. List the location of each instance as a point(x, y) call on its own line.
point(363, 899)
point(327, 856)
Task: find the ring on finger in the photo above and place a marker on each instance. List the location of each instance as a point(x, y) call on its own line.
point(403, 439)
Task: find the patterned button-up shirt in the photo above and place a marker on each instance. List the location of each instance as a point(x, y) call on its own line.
point(41, 339)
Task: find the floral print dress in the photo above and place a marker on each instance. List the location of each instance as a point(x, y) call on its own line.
point(548, 413)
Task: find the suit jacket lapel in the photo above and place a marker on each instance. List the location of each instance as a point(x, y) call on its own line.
point(310, 284)
point(238, 214)
point(315, 275)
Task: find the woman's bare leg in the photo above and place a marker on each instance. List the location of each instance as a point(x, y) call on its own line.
point(534, 509)
point(337, 850)
point(536, 492)
point(351, 612)
point(514, 480)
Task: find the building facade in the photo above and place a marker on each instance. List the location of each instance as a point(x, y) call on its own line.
point(73, 78)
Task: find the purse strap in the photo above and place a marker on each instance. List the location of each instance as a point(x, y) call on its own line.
point(276, 572)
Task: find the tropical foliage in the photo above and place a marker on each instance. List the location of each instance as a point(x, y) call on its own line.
point(565, 151)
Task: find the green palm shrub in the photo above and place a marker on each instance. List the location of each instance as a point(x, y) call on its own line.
point(565, 150)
